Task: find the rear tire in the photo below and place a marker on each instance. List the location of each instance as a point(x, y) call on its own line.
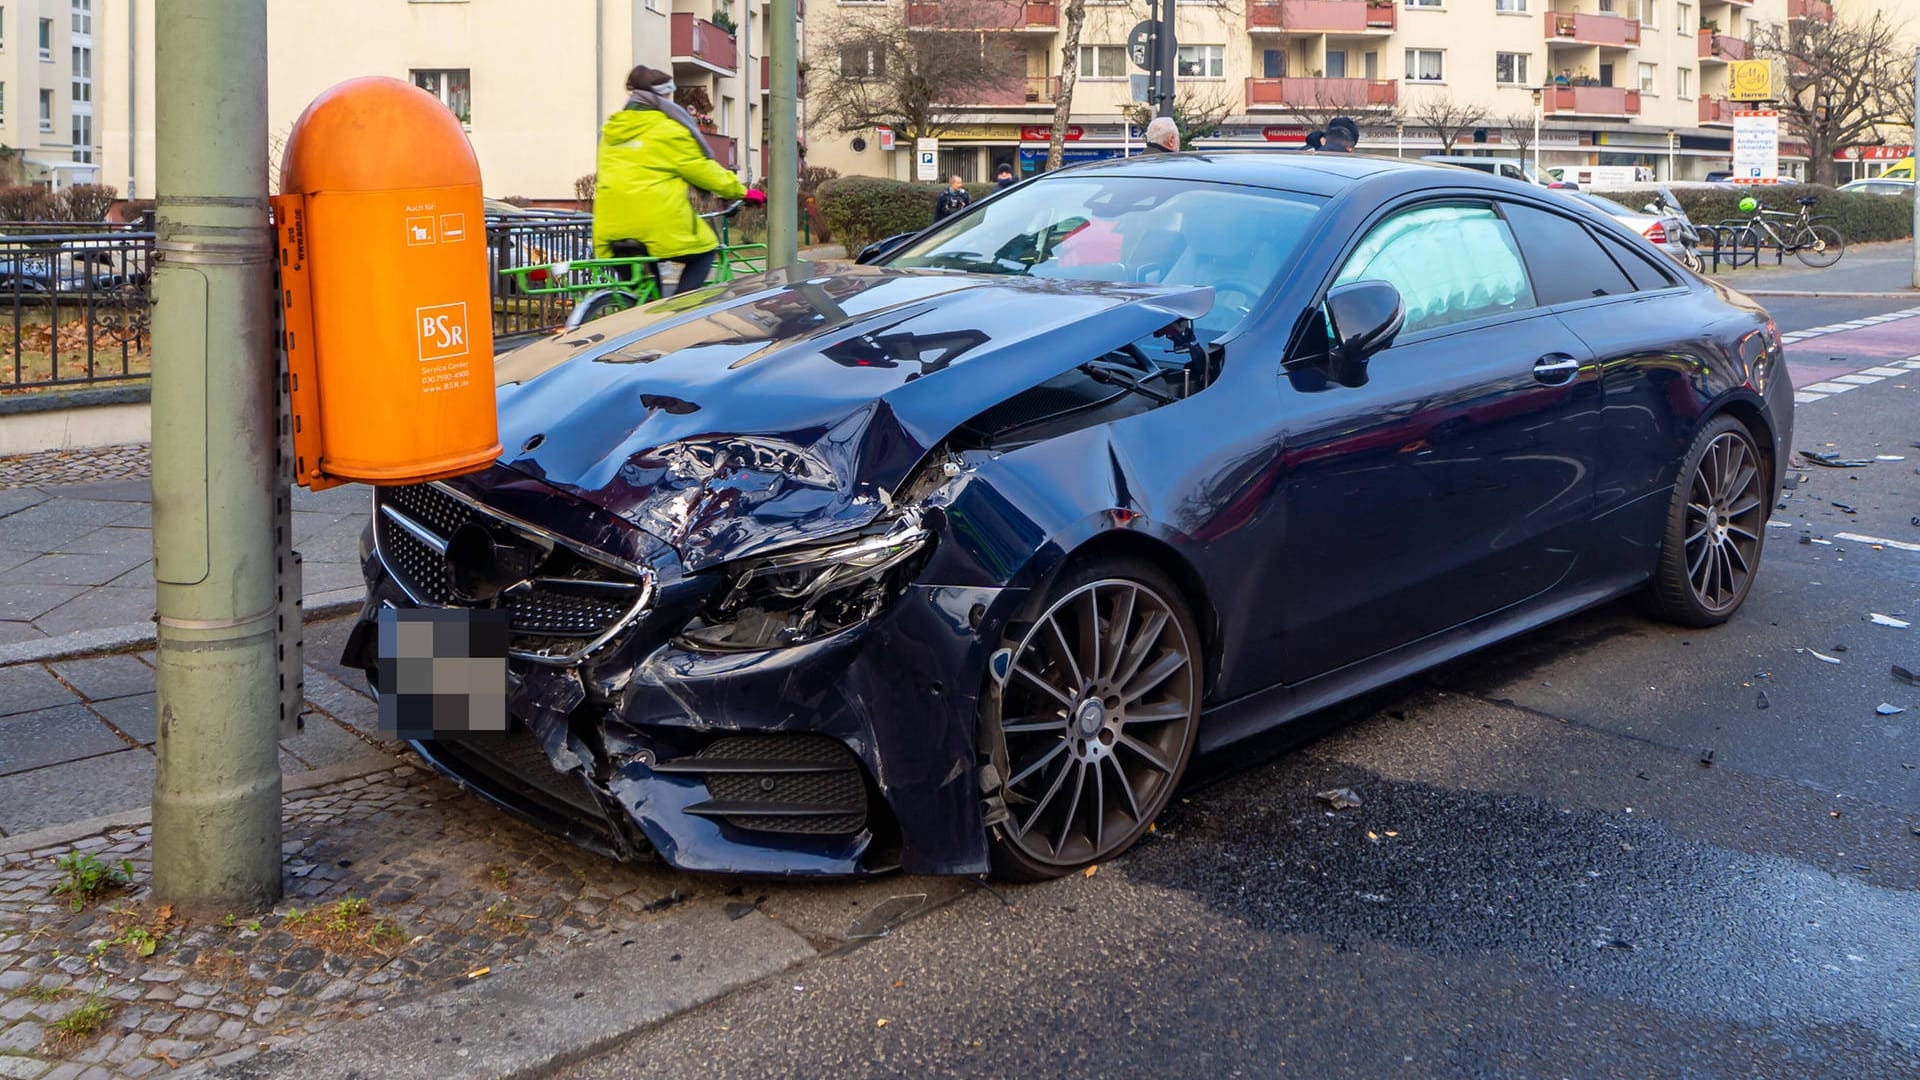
point(1822, 245)
point(597, 305)
point(1097, 717)
point(1716, 527)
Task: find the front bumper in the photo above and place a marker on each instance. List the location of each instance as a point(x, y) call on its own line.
point(744, 762)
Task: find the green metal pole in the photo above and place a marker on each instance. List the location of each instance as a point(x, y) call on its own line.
point(783, 127)
point(216, 797)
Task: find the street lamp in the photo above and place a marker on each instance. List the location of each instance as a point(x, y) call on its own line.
point(1536, 134)
point(1670, 138)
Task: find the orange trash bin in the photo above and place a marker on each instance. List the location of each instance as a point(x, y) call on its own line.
point(388, 319)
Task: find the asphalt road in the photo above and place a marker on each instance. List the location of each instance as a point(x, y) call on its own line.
point(1608, 848)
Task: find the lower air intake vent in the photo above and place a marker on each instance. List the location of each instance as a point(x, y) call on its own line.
point(779, 783)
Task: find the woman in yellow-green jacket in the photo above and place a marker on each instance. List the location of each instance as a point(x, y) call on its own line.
point(650, 153)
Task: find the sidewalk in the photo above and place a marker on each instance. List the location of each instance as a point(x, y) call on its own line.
point(1884, 268)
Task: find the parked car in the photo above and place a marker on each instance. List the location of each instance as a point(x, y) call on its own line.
point(1511, 170)
point(1878, 185)
point(1720, 176)
point(953, 562)
point(1661, 227)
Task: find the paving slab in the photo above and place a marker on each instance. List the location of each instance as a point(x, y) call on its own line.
point(49, 736)
point(98, 607)
point(25, 603)
point(66, 569)
point(31, 687)
point(132, 715)
point(110, 540)
point(99, 678)
point(76, 790)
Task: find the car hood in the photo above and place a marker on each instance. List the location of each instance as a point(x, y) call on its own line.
point(786, 407)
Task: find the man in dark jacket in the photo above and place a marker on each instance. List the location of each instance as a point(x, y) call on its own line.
point(951, 201)
point(1003, 176)
point(1342, 135)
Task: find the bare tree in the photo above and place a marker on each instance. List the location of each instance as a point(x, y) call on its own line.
point(1519, 132)
point(918, 80)
point(1448, 119)
point(1069, 75)
point(1845, 80)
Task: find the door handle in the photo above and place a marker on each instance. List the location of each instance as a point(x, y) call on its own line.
point(1555, 368)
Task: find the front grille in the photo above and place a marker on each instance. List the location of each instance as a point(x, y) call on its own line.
point(808, 784)
point(569, 606)
point(512, 763)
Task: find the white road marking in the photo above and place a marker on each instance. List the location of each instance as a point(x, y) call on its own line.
point(1883, 372)
point(1858, 539)
point(1858, 380)
point(1829, 387)
point(1801, 397)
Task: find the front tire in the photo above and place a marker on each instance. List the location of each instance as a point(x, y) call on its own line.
point(1097, 717)
point(1716, 526)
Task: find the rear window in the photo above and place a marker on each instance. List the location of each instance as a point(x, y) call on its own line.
point(1563, 258)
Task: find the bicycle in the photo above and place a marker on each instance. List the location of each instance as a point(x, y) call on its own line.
point(600, 287)
point(1807, 238)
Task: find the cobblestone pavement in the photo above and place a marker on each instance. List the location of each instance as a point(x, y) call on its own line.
point(75, 466)
point(451, 893)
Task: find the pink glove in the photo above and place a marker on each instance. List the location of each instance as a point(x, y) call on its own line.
point(754, 197)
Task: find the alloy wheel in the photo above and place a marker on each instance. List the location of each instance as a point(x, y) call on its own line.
point(1724, 518)
point(1098, 714)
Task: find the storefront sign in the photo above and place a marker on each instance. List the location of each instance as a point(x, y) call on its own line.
point(1756, 147)
point(1044, 134)
point(978, 132)
point(1750, 80)
point(1873, 153)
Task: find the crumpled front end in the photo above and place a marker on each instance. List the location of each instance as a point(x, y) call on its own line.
point(774, 718)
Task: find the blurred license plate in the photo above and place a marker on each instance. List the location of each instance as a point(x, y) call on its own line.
point(443, 672)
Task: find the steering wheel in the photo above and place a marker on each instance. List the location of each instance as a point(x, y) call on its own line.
point(1246, 291)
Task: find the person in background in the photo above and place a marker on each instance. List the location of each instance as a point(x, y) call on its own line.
point(951, 201)
point(1565, 78)
point(1003, 176)
point(1316, 140)
point(1342, 135)
point(650, 155)
point(1163, 136)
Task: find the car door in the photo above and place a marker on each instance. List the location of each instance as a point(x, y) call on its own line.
point(1455, 482)
point(1629, 309)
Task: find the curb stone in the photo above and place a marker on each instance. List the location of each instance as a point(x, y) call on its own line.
point(117, 639)
point(528, 1019)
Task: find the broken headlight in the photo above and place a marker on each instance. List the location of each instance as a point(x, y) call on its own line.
point(806, 593)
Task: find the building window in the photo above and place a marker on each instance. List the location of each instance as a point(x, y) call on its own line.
point(83, 138)
point(453, 86)
point(1426, 65)
point(863, 62)
point(1683, 19)
point(1606, 7)
point(1513, 7)
point(82, 73)
point(3, 103)
point(46, 40)
point(1648, 9)
point(1510, 68)
point(1201, 62)
point(1103, 61)
point(46, 110)
point(1425, 3)
point(1649, 79)
point(83, 16)
point(3, 27)
point(1683, 82)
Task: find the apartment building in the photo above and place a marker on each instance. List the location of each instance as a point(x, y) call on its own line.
point(47, 93)
point(531, 82)
point(1609, 82)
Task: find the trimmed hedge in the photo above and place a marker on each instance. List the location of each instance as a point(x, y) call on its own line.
point(862, 209)
point(1860, 218)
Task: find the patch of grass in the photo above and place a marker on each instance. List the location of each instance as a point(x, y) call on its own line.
point(342, 926)
point(82, 1023)
point(87, 878)
point(500, 875)
point(44, 994)
point(500, 916)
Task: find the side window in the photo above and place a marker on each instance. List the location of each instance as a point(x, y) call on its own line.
point(1451, 263)
point(1568, 264)
point(1645, 274)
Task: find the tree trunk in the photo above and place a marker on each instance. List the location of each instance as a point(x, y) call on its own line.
point(1069, 74)
point(1820, 165)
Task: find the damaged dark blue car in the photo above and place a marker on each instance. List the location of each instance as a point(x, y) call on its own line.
point(952, 562)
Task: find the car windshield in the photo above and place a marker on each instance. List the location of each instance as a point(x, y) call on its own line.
point(1133, 229)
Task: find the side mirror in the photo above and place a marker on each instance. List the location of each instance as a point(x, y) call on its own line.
point(1362, 319)
point(1650, 208)
point(880, 249)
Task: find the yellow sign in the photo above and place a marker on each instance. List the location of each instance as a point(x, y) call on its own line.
point(1750, 80)
point(1009, 132)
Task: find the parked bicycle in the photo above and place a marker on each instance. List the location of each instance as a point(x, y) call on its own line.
point(599, 287)
point(1810, 239)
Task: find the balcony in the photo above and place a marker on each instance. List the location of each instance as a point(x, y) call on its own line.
point(724, 148)
point(1716, 112)
point(766, 78)
point(698, 43)
point(1821, 10)
point(1308, 93)
point(982, 15)
point(1320, 16)
point(1606, 31)
point(1591, 101)
point(1714, 46)
point(1015, 93)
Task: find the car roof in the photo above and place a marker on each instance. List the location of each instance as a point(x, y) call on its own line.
point(1290, 170)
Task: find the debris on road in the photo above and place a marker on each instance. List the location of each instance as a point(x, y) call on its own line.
point(1844, 508)
point(879, 920)
point(1833, 461)
point(1706, 758)
point(738, 910)
point(664, 902)
point(1820, 656)
point(1878, 619)
point(1608, 941)
point(1889, 457)
point(1339, 798)
point(1905, 676)
point(1761, 702)
point(1888, 709)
